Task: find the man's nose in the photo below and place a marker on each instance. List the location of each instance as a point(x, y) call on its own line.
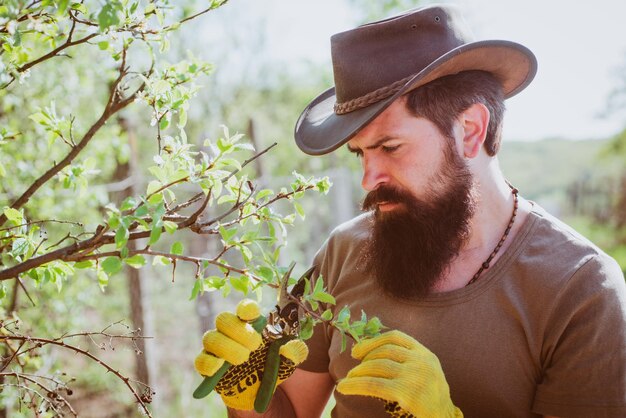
point(374, 173)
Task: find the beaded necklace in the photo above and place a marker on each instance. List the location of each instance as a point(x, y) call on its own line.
point(487, 262)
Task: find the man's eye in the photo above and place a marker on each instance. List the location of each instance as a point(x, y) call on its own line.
point(390, 149)
point(358, 153)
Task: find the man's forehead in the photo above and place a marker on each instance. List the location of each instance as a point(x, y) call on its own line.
point(383, 128)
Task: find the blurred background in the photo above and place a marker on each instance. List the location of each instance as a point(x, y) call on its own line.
point(564, 147)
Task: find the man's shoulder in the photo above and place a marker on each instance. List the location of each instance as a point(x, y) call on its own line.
point(347, 237)
point(556, 234)
point(356, 229)
point(561, 251)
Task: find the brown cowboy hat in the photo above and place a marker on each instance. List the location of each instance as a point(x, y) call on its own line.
point(376, 63)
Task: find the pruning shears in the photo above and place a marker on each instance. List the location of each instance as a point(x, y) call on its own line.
point(278, 328)
point(282, 326)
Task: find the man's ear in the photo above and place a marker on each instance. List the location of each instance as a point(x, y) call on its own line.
point(474, 121)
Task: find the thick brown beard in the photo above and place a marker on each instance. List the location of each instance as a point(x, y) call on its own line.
point(411, 246)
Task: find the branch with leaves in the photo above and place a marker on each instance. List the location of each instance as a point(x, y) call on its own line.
point(205, 189)
point(70, 25)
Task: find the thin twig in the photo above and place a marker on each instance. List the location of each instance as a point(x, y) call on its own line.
point(41, 222)
point(53, 394)
point(63, 344)
point(25, 291)
point(213, 7)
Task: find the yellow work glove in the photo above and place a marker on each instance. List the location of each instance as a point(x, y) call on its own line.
point(236, 342)
point(402, 372)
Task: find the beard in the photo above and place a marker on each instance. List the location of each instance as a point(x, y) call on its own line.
point(411, 246)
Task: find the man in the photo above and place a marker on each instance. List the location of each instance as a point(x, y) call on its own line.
point(496, 309)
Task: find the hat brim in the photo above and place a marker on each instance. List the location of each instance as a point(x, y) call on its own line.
point(319, 130)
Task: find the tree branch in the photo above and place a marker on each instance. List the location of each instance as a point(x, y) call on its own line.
point(112, 107)
point(60, 343)
point(52, 394)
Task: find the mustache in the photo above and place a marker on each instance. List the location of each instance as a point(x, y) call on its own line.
point(389, 194)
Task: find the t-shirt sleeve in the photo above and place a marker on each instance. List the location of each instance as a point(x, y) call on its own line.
point(584, 353)
point(318, 359)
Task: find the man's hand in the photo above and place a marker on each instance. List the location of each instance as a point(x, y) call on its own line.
point(402, 372)
point(236, 342)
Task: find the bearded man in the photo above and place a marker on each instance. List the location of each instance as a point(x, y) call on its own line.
point(496, 308)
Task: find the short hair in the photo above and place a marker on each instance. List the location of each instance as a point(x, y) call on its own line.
point(443, 99)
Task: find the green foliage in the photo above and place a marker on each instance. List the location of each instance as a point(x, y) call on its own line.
point(66, 131)
point(322, 305)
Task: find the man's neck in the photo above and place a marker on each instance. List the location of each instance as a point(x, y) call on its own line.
point(494, 209)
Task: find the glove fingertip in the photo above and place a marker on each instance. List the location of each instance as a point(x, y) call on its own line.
point(295, 350)
point(248, 310)
point(206, 364)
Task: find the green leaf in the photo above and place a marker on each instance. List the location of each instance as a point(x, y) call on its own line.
point(14, 215)
point(229, 162)
point(20, 247)
point(155, 234)
point(177, 248)
point(240, 283)
point(314, 305)
point(223, 145)
point(182, 118)
point(112, 265)
point(323, 185)
point(227, 234)
point(266, 273)
point(327, 315)
point(87, 264)
point(319, 286)
point(80, 7)
point(226, 289)
point(298, 207)
point(344, 315)
point(344, 342)
point(40, 118)
point(197, 288)
point(164, 123)
point(142, 210)
point(264, 193)
point(244, 147)
point(159, 259)
point(306, 328)
point(136, 261)
point(155, 199)
point(128, 203)
point(108, 16)
point(103, 279)
point(246, 253)
point(153, 186)
point(103, 45)
point(325, 297)
point(3, 291)
point(121, 236)
point(149, 9)
point(170, 226)
point(373, 327)
point(62, 6)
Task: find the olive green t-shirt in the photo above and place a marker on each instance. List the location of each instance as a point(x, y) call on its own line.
point(543, 331)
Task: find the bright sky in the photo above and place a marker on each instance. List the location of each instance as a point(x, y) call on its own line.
point(579, 47)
